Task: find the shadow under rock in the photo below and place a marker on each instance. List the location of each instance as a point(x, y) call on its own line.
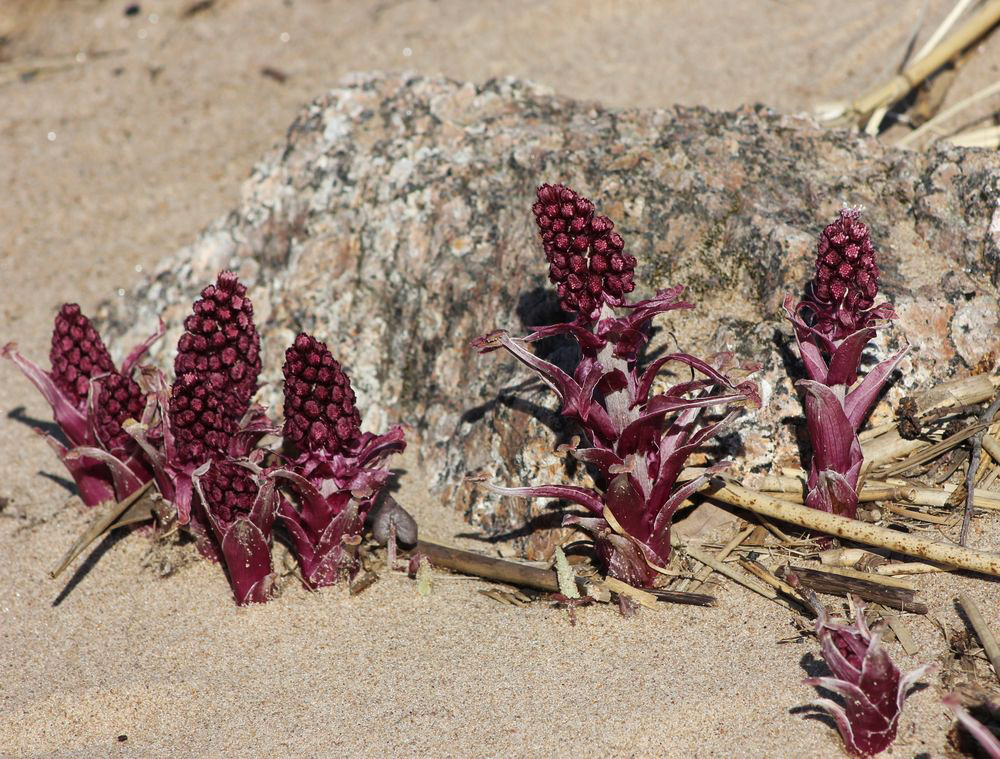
point(109, 541)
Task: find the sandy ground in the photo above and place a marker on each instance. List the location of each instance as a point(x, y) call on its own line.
point(132, 133)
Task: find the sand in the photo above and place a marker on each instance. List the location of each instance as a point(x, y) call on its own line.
point(110, 163)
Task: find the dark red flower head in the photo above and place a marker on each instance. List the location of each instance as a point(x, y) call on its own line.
point(119, 399)
point(199, 419)
point(319, 403)
point(221, 343)
point(77, 354)
point(229, 490)
point(587, 262)
point(846, 280)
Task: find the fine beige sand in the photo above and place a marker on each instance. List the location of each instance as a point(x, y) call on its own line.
point(112, 159)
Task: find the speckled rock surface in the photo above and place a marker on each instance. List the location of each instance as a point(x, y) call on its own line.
point(394, 223)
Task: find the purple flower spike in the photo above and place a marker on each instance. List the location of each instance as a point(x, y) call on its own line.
point(587, 259)
point(337, 474)
point(90, 401)
point(833, 325)
point(637, 442)
point(872, 686)
point(207, 419)
point(217, 365)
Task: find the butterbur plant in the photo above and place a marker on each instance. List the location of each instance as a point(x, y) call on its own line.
point(636, 442)
point(872, 686)
point(833, 324)
point(337, 470)
point(91, 400)
point(206, 440)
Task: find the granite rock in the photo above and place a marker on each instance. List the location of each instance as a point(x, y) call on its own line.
point(394, 223)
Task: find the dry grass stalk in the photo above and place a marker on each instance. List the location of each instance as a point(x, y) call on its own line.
point(939, 34)
point(933, 124)
point(901, 84)
point(902, 633)
point(932, 452)
point(987, 137)
point(527, 576)
point(98, 527)
point(852, 529)
point(734, 575)
point(942, 519)
point(706, 571)
point(982, 630)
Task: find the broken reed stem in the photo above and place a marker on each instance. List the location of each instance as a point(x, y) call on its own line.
point(932, 452)
point(98, 527)
point(911, 77)
point(970, 476)
point(909, 568)
point(949, 21)
point(723, 569)
point(852, 529)
point(706, 571)
point(524, 575)
point(982, 630)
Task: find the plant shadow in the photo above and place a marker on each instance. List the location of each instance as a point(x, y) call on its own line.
point(106, 544)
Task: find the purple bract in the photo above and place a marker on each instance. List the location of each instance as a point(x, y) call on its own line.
point(872, 686)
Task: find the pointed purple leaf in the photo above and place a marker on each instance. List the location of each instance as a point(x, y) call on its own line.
point(860, 399)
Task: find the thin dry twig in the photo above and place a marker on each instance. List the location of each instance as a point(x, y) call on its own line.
point(901, 84)
point(98, 527)
point(706, 571)
point(970, 478)
point(982, 630)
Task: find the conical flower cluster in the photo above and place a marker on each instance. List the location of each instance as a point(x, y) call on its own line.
point(846, 280)
point(319, 403)
point(587, 262)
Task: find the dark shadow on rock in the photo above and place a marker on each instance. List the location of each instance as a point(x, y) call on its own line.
point(789, 359)
point(67, 484)
point(551, 520)
point(90, 562)
point(540, 308)
point(18, 414)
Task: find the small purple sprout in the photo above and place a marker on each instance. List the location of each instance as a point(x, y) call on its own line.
point(872, 686)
